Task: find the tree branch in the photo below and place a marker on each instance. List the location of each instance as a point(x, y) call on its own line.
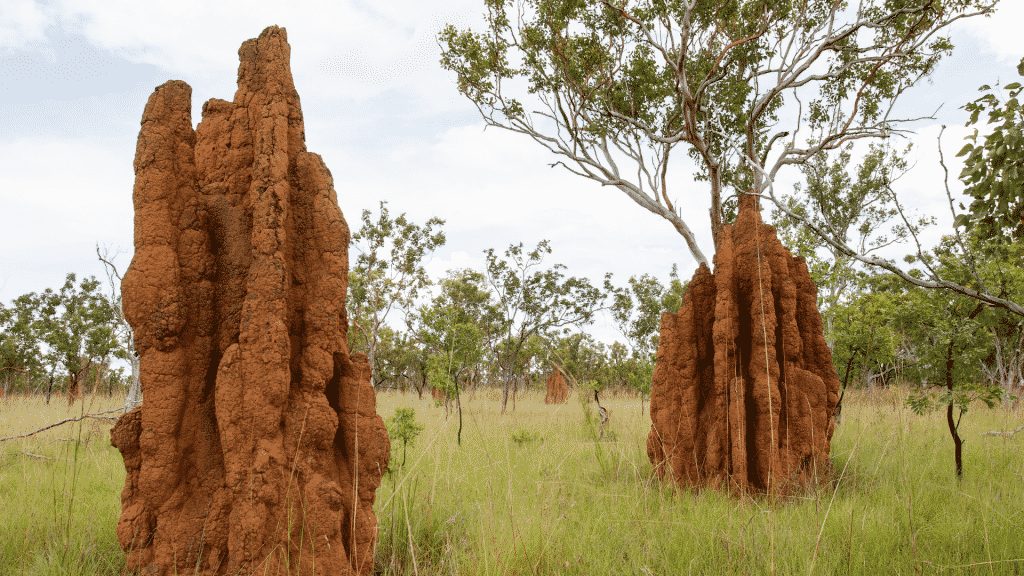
point(97, 415)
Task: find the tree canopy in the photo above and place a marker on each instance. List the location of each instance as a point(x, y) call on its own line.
point(635, 80)
point(388, 274)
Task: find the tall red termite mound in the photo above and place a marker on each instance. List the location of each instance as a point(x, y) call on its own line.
point(558, 391)
point(744, 389)
point(258, 448)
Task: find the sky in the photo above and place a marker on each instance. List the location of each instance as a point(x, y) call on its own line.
point(388, 121)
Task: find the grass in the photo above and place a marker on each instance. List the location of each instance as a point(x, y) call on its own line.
point(535, 492)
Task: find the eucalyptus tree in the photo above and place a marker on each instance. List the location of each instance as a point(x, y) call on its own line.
point(858, 211)
point(535, 302)
point(993, 176)
point(864, 339)
point(582, 357)
point(996, 265)
point(637, 308)
point(20, 355)
point(456, 328)
point(636, 81)
point(1000, 268)
point(77, 326)
point(402, 426)
point(396, 361)
point(388, 273)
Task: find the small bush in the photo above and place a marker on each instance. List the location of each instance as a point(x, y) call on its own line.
point(523, 436)
point(403, 426)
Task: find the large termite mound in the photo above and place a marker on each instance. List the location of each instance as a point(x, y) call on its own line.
point(258, 448)
point(744, 388)
point(558, 391)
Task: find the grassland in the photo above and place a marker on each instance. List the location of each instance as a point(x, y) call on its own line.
point(535, 492)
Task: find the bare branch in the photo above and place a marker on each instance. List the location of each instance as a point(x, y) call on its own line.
point(97, 415)
point(968, 257)
point(1002, 432)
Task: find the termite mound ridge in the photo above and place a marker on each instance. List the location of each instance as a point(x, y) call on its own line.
point(744, 389)
point(258, 448)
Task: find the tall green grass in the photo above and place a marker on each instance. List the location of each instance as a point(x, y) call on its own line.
point(59, 490)
point(535, 492)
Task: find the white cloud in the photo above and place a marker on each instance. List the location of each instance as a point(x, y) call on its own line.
point(21, 22)
point(1001, 31)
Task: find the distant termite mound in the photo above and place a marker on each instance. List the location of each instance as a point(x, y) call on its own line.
point(258, 448)
point(744, 388)
point(558, 390)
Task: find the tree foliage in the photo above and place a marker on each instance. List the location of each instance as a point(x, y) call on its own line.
point(864, 340)
point(403, 426)
point(388, 274)
point(994, 167)
point(635, 81)
point(582, 357)
point(858, 209)
point(534, 302)
point(954, 334)
point(77, 326)
point(636, 311)
point(456, 329)
point(20, 355)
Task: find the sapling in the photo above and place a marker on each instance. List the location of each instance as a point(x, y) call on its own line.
point(403, 426)
point(958, 396)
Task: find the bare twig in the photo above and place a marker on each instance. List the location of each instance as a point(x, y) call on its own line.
point(1002, 432)
point(43, 457)
point(97, 415)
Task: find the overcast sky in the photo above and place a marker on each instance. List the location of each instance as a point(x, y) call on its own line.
point(386, 118)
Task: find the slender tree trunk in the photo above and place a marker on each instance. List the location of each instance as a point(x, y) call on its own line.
point(72, 388)
point(716, 204)
point(134, 388)
point(846, 379)
point(372, 356)
point(506, 384)
point(458, 402)
point(515, 385)
point(98, 380)
point(957, 441)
